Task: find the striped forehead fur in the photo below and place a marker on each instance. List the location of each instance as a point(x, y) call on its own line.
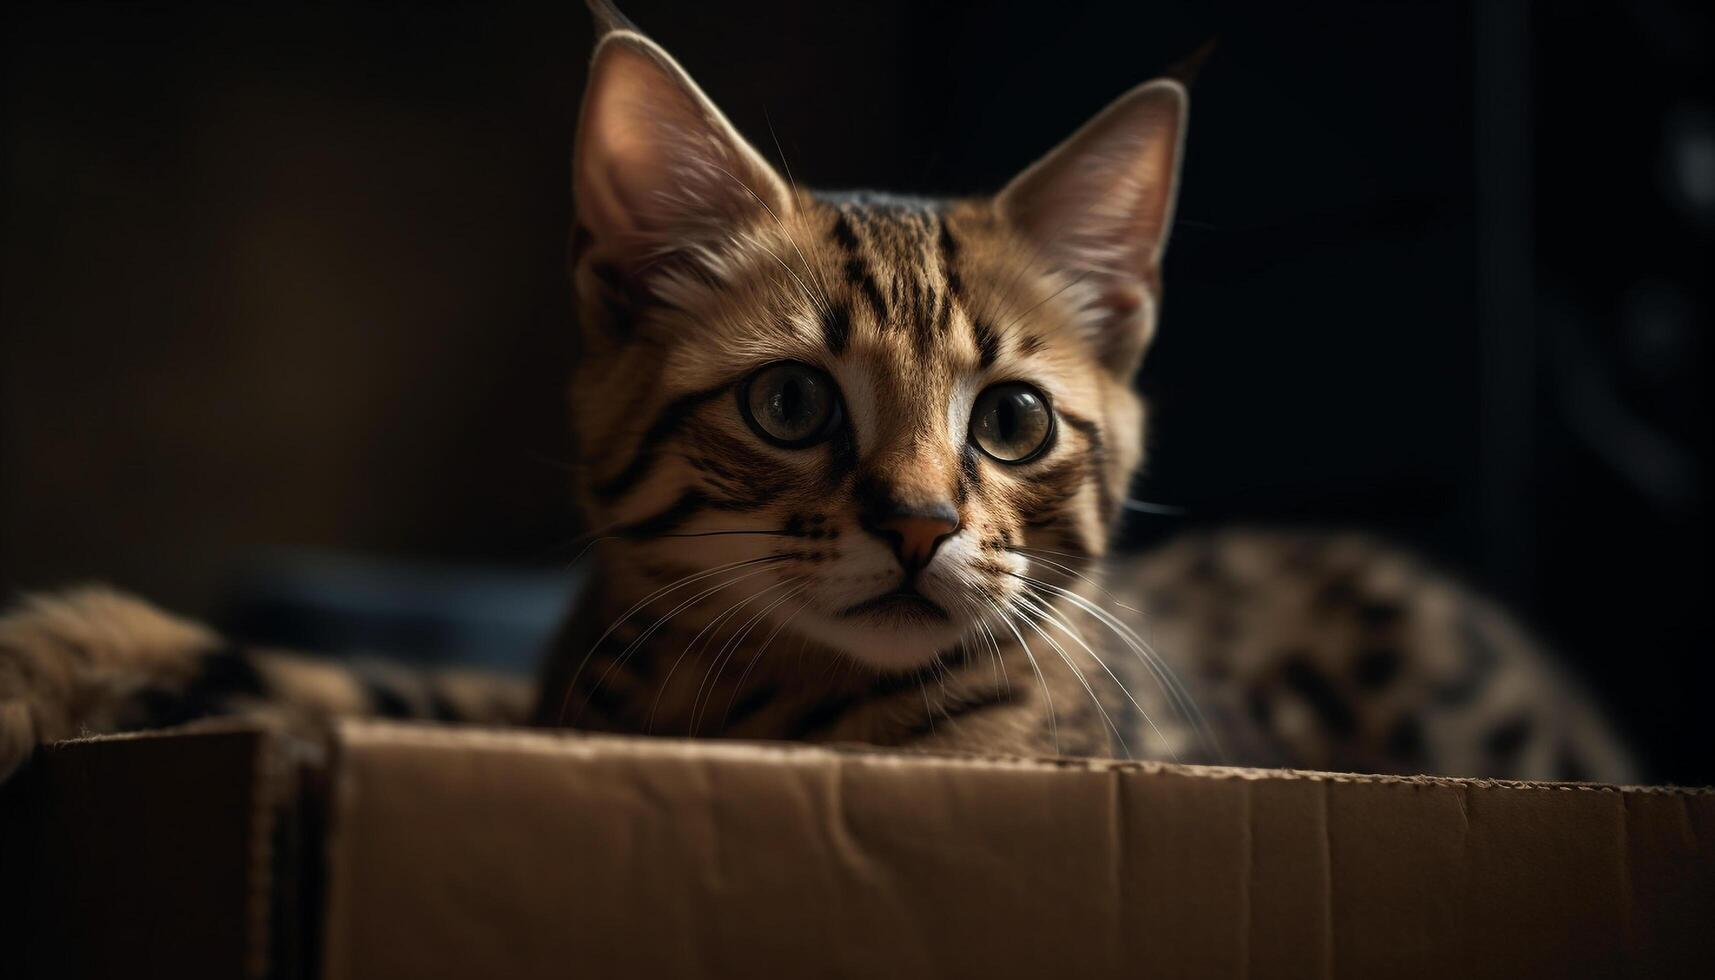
point(917, 292)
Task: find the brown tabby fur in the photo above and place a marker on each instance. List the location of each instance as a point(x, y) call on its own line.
point(729, 567)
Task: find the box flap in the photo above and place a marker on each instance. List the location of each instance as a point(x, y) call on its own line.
point(142, 856)
point(459, 853)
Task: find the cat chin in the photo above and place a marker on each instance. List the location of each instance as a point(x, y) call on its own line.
point(889, 647)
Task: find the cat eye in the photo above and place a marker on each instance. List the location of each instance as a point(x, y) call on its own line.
point(1012, 422)
point(790, 404)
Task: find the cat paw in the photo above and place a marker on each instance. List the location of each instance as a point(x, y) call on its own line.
point(68, 660)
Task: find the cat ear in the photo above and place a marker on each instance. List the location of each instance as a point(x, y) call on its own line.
point(1100, 207)
point(656, 169)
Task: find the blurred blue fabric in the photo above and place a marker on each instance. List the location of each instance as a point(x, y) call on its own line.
point(340, 605)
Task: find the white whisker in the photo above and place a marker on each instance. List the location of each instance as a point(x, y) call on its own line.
point(1034, 555)
point(996, 661)
point(656, 627)
point(713, 624)
point(756, 658)
point(926, 711)
point(802, 286)
point(792, 183)
point(1058, 620)
point(1053, 723)
point(1163, 674)
point(1146, 507)
point(1082, 680)
point(641, 603)
point(821, 304)
point(727, 652)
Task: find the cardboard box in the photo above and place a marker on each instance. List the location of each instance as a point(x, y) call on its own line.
point(417, 851)
point(153, 856)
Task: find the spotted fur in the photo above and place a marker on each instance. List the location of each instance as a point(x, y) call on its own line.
point(750, 590)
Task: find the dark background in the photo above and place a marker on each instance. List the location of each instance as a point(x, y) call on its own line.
point(285, 279)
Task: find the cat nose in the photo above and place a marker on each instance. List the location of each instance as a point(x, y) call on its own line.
point(915, 534)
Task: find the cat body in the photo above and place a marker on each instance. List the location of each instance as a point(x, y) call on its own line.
point(852, 463)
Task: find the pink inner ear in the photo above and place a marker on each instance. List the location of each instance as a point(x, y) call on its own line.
point(1099, 207)
point(1103, 199)
point(619, 167)
point(602, 205)
point(657, 164)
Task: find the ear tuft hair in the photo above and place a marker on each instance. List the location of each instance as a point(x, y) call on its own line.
point(608, 18)
point(1186, 69)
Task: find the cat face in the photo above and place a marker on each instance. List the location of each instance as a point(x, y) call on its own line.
point(861, 419)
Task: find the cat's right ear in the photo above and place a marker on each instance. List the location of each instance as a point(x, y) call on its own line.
point(658, 173)
point(1100, 207)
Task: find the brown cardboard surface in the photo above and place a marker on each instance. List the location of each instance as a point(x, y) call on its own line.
point(555, 855)
point(140, 856)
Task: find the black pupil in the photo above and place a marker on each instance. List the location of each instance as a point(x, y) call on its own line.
point(791, 402)
point(1007, 413)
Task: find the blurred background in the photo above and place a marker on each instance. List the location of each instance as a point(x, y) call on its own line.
point(284, 322)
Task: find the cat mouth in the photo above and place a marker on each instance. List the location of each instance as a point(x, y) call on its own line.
point(904, 604)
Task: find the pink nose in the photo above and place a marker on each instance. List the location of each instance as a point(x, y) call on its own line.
point(916, 536)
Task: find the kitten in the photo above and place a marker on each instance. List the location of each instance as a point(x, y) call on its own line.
point(852, 462)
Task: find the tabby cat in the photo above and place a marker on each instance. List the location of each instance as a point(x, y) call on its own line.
point(852, 462)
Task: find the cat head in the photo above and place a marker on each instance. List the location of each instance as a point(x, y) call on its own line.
point(872, 419)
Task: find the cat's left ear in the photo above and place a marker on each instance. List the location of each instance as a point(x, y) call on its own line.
point(1100, 207)
point(657, 170)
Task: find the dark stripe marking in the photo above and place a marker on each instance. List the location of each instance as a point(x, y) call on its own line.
point(971, 473)
point(1404, 741)
point(222, 675)
point(229, 671)
point(959, 709)
point(387, 700)
point(858, 274)
point(988, 342)
point(925, 316)
point(824, 715)
point(971, 464)
point(1507, 740)
point(1319, 694)
point(1049, 488)
point(844, 234)
point(675, 514)
point(842, 457)
point(988, 345)
point(643, 457)
point(892, 684)
point(949, 258)
point(759, 697)
point(600, 694)
point(440, 707)
point(1375, 668)
point(837, 327)
point(1098, 460)
point(1569, 767)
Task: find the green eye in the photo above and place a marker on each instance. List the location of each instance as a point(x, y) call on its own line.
point(1012, 422)
point(790, 404)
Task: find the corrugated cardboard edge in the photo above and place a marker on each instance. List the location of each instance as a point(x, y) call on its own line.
point(580, 743)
